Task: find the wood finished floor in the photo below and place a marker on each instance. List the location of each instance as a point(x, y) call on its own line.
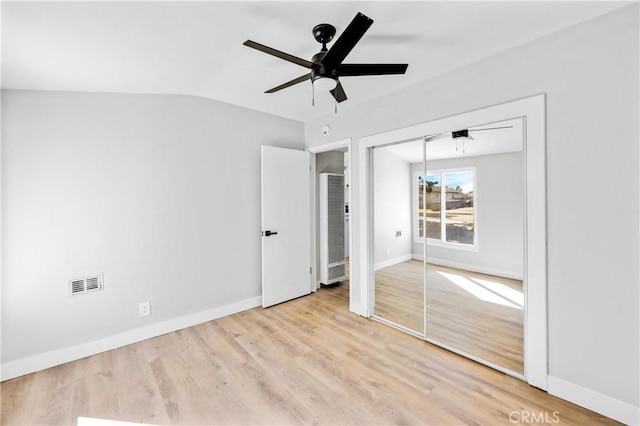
point(480, 315)
point(308, 361)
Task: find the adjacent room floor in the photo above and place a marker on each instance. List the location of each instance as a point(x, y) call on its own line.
point(302, 362)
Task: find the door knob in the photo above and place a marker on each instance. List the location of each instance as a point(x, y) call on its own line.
point(269, 233)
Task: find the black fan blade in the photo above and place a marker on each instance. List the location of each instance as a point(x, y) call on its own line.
point(437, 136)
point(371, 69)
point(347, 40)
point(338, 93)
point(278, 54)
point(290, 83)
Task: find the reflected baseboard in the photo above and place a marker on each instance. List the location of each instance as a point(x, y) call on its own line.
point(394, 261)
point(473, 268)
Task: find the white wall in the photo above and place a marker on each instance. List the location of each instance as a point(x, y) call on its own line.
point(590, 75)
point(159, 193)
point(392, 208)
point(499, 216)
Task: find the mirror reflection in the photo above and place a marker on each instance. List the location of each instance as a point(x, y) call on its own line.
point(457, 279)
point(399, 278)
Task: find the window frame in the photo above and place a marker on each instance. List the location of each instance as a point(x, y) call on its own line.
point(442, 242)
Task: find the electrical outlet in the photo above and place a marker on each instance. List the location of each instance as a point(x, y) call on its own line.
point(398, 233)
point(145, 309)
point(388, 251)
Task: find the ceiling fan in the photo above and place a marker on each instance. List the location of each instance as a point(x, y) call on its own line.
point(326, 66)
point(461, 135)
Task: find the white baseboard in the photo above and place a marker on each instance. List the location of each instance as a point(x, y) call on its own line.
point(41, 361)
point(473, 268)
point(394, 261)
point(594, 401)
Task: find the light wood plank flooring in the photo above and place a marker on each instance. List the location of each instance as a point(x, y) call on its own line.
point(308, 361)
point(475, 313)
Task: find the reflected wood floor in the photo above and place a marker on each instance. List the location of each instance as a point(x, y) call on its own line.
point(308, 361)
point(399, 294)
point(476, 313)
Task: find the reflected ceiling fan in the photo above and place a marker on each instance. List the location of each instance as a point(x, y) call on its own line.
point(461, 135)
point(326, 66)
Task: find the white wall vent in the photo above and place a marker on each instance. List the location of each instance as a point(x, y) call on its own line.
point(86, 284)
point(331, 220)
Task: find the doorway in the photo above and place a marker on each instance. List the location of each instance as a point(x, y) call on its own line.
point(330, 159)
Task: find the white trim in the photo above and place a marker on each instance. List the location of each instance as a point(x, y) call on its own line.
point(330, 146)
point(354, 307)
point(397, 326)
point(41, 361)
point(415, 205)
point(93, 421)
point(614, 408)
point(313, 184)
point(365, 216)
point(534, 151)
point(394, 261)
point(514, 275)
point(535, 240)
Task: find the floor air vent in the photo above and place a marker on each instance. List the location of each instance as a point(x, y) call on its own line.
point(86, 284)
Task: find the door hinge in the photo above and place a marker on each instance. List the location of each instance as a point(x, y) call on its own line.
point(310, 270)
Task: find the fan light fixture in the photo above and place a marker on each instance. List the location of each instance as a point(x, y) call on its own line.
point(325, 83)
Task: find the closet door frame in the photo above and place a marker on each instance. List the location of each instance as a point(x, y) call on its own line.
point(532, 110)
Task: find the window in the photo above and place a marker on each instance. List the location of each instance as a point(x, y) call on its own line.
point(446, 207)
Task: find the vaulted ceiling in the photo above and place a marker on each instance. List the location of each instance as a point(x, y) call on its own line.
point(195, 48)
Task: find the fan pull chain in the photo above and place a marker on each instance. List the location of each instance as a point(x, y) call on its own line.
point(313, 95)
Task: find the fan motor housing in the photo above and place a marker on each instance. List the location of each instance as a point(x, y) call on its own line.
point(460, 134)
point(318, 57)
point(318, 70)
point(324, 33)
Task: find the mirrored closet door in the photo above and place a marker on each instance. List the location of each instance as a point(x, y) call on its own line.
point(456, 278)
point(398, 276)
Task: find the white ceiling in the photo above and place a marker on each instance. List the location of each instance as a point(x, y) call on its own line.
point(195, 48)
point(485, 142)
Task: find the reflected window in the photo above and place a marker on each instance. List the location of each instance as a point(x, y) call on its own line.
point(446, 207)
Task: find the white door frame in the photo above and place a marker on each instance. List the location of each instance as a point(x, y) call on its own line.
point(330, 146)
point(532, 109)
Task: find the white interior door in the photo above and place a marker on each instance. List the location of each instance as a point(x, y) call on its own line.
point(286, 225)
